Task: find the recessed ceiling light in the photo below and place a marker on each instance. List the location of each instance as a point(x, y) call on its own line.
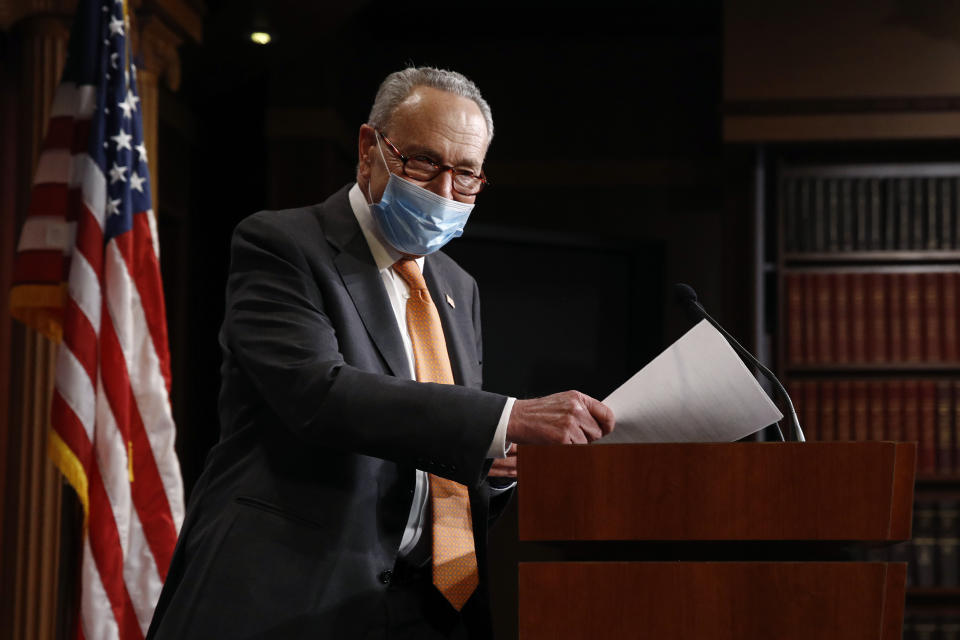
point(261, 37)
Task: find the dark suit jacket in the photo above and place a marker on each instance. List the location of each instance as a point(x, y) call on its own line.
point(303, 502)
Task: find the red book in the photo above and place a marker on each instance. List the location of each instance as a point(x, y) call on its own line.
point(948, 323)
point(895, 316)
point(912, 332)
point(932, 344)
point(861, 424)
point(811, 410)
point(793, 283)
point(911, 411)
point(844, 422)
point(878, 411)
point(858, 318)
point(894, 393)
point(841, 318)
point(824, 296)
point(944, 426)
point(809, 318)
point(927, 447)
point(877, 312)
point(828, 411)
point(956, 426)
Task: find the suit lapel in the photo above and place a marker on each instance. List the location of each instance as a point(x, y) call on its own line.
point(363, 282)
point(456, 321)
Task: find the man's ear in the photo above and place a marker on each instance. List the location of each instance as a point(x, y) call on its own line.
point(366, 142)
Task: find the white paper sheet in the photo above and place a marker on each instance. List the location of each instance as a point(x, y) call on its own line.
point(697, 390)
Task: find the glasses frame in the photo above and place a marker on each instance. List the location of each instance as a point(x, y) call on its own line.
point(439, 167)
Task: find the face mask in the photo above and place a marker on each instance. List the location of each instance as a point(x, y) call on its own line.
point(417, 221)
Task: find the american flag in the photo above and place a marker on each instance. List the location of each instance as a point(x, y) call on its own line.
point(87, 274)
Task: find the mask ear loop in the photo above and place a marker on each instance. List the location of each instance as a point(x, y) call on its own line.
point(377, 135)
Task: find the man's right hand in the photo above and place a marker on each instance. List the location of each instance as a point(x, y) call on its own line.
point(569, 417)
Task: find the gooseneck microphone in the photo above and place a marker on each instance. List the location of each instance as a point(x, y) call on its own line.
point(687, 298)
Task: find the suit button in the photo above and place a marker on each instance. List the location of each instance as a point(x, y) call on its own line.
point(385, 576)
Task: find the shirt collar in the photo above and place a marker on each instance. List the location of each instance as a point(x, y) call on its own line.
point(383, 254)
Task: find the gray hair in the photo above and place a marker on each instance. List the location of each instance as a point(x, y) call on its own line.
point(398, 85)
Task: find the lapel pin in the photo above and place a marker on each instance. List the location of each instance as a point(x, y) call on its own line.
point(450, 301)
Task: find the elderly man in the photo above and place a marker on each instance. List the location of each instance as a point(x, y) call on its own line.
point(360, 462)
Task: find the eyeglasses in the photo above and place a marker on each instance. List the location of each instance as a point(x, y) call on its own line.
point(424, 169)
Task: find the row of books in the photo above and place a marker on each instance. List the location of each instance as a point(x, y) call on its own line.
point(927, 627)
point(846, 317)
point(931, 553)
point(925, 411)
point(870, 214)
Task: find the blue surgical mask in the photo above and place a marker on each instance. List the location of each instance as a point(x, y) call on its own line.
point(416, 221)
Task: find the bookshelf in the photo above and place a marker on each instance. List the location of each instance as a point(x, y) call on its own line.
point(867, 339)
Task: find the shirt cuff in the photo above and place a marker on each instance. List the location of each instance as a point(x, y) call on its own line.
point(498, 448)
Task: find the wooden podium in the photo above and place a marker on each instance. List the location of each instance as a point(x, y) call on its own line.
point(713, 541)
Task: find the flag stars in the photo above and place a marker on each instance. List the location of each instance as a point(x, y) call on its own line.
point(142, 152)
point(117, 173)
point(114, 60)
point(132, 99)
point(123, 140)
point(113, 207)
point(136, 182)
point(116, 26)
point(126, 107)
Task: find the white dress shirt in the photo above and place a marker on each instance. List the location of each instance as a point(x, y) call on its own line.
point(397, 290)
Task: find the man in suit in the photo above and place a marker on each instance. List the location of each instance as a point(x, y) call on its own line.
point(360, 462)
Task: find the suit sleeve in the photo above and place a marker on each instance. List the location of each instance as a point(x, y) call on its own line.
point(276, 328)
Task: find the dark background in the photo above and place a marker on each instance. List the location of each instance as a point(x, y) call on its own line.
point(609, 180)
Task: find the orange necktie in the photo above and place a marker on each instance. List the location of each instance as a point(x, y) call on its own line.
point(454, 556)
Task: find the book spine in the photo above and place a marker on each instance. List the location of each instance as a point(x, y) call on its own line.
point(895, 316)
point(927, 447)
point(841, 318)
point(877, 305)
point(894, 399)
point(912, 331)
point(811, 409)
point(805, 219)
point(833, 215)
point(819, 217)
point(824, 317)
point(876, 232)
point(948, 321)
point(946, 215)
point(858, 317)
point(944, 453)
point(903, 214)
point(843, 426)
point(861, 235)
point(955, 212)
point(956, 427)
point(890, 209)
point(931, 317)
point(861, 426)
point(847, 223)
point(793, 283)
point(788, 207)
point(828, 411)
point(917, 216)
point(947, 541)
point(810, 318)
point(911, 411)
point(933, 226)
point(924, 542)
point(877, 412)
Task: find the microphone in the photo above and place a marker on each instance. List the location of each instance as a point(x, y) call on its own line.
point(687, 298)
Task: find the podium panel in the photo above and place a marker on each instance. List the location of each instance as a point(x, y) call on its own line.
point(815, 491)
point(712, 600)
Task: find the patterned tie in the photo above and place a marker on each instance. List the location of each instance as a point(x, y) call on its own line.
point(454, 556)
